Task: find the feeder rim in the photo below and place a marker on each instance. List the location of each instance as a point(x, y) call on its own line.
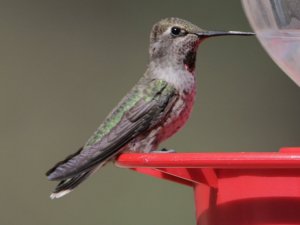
point(285, 158)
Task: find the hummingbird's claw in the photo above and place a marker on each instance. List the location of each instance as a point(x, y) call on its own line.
point(164, 150)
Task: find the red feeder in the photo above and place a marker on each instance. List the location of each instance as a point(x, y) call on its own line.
point(232, 188)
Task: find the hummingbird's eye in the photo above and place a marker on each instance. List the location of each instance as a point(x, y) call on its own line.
point(175, 31)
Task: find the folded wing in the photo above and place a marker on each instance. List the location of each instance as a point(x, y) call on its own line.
point(149, 107)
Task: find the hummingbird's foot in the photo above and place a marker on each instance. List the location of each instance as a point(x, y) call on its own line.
point(164, 150)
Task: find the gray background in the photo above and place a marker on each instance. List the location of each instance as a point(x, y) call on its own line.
point(65, 64)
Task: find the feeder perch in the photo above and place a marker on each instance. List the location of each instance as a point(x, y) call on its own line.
point(231, 188)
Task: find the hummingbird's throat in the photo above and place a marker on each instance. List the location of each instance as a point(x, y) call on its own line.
point(190, 60)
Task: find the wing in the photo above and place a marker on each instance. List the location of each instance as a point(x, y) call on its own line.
point(141, 110)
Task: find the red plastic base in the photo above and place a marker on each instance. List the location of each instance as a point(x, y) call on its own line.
point(232, 188)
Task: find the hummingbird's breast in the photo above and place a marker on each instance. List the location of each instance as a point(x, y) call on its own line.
point(184, 82)
point(173, 122)
point(178, 116)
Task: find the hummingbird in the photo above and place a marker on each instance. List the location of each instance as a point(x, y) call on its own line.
point(154, 109)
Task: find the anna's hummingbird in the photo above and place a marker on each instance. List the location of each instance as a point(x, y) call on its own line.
point(155, 108)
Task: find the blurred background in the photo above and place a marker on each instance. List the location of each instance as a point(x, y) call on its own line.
point(65, 64)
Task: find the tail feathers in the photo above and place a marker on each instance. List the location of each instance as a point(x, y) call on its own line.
point(59, 170)
point(64, 172)
point(66, 186)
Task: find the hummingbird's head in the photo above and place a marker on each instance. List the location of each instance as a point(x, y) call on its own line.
point(176, 40)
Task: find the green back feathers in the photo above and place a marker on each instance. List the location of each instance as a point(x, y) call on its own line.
point(137, 94)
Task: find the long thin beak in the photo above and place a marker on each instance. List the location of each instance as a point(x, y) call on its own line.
point(206, 34)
